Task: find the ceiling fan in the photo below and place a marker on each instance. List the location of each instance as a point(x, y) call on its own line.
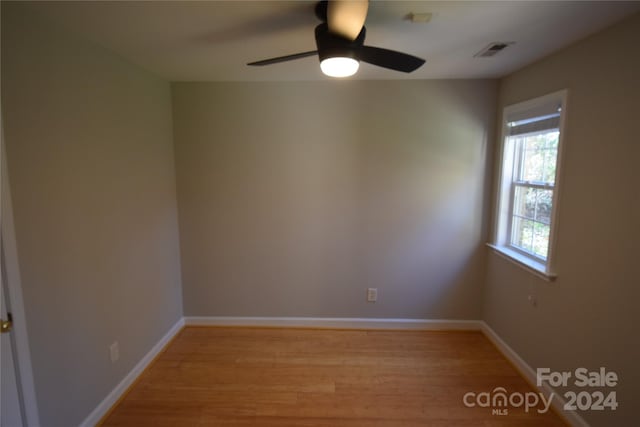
point(340, 42)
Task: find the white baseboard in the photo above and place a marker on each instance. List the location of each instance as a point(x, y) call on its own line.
point(337, 323)
point(104, 406)
point(572, 417)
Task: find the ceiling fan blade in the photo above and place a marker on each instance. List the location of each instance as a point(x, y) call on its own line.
point(390, 59)
point(346, 17)
point(283, 58)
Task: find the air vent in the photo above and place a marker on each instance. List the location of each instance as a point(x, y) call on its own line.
point(492, 49)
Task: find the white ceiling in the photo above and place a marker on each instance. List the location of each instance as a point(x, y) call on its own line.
point(213, 40)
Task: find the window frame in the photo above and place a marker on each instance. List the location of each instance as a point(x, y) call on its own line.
point(506, 185)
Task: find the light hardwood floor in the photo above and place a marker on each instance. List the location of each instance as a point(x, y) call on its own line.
point(240, 377)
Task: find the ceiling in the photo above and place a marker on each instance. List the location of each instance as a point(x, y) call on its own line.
point(213, 40)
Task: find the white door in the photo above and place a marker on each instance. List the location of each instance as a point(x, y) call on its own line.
point(10, 408)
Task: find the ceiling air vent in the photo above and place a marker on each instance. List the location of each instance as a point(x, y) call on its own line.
point(492, 49)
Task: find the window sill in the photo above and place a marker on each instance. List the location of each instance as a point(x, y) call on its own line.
point(525, 263)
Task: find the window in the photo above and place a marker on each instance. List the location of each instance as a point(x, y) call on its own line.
point(527, 197)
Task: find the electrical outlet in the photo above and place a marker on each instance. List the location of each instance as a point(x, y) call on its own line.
point(114, 352)
point(372, 294)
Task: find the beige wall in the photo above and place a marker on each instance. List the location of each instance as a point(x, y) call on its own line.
point(89, 147)
point(588, 317)
point(296, 197)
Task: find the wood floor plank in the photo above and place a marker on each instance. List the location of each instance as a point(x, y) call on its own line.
point(264, 377)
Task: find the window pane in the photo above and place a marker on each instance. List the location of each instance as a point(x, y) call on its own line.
point(544, 199)
point(533, 203)
point(530, 236)
point(549, 172)
point(524, 203)
point(538, 157)
point(533, 159)
point(540, 239)
point(552, 138)
point(522, 233)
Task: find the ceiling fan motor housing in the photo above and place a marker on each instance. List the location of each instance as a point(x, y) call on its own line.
point(331, 45)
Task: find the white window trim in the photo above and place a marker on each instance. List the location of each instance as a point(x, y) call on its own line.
point(503, 205)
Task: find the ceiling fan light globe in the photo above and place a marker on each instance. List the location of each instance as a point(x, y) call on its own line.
point(339, 66)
